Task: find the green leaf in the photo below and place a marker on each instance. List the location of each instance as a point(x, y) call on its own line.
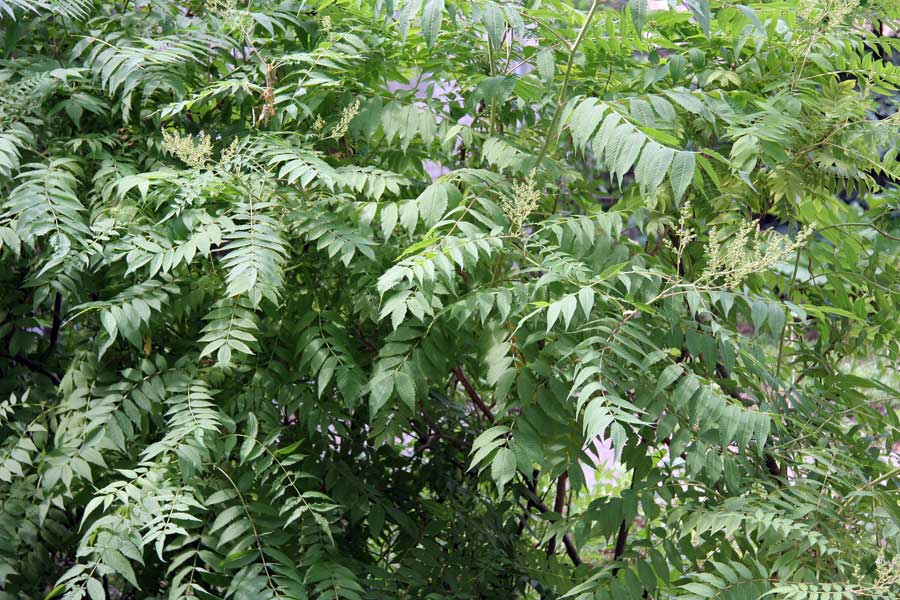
point(325, 375)
point(379, 391)
point(432, 15)
point(596, 419)
point(701, 12)
point(618, 436)
point(409, 10)
point(669, 376)
point(545, 64)
point(638, 10)
point(389, 216)
point(489, 434)
point(586, 299)
point(759, 312)
point(503, 467)
point(434, 200)
point(702, 590)
point(682, 173)
point(754, 18)
point(406, 389)
point(552, 314)
point(584, 121)
point(95, 590)
point(494, 23)
point(55, 592)
point(250, 441)
point(568, 305)
point(117, 561)
point(631, 147)
point(652, 166)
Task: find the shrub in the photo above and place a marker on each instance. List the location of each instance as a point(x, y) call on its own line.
point(341, 299)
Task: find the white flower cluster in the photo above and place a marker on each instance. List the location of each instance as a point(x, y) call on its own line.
point(197, 152)
point(526, 198)
point(348, 114)
point(826, 14)
point(748, 251)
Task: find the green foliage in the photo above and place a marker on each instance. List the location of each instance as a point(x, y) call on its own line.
point(323, 299)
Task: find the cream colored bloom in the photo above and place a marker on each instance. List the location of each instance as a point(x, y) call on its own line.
point(526, 198)
point(349, 112)
point(195, 154)
point(748, 251)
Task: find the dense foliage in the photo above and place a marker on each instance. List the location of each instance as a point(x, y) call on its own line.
point(343, 299)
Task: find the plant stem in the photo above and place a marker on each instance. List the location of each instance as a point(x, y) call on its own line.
point(571, 550)
point(54, 331)
point(476, 399)
point(558, 506)
point(493, 112)
point(787, 315)
point(561, 100)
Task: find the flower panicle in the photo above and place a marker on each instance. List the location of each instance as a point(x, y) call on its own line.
point(748, 251)
point(196, 152)
point(526, 199)
point(347, 115)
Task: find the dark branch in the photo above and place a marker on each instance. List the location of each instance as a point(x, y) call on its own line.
point(621, 538)
point(476, 399)
point(775, 470)
point(528, 506)
point(567, 538)
point(34, 366)
point(57, 321)
point(558, 506)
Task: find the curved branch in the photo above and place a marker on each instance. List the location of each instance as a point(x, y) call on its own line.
point(571, 550)
point(33, 366)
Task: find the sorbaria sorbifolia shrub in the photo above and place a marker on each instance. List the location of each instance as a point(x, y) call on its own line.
point(433, 299)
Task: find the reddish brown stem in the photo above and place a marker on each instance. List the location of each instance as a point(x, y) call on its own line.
point(476, 399)
point(558, 506)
